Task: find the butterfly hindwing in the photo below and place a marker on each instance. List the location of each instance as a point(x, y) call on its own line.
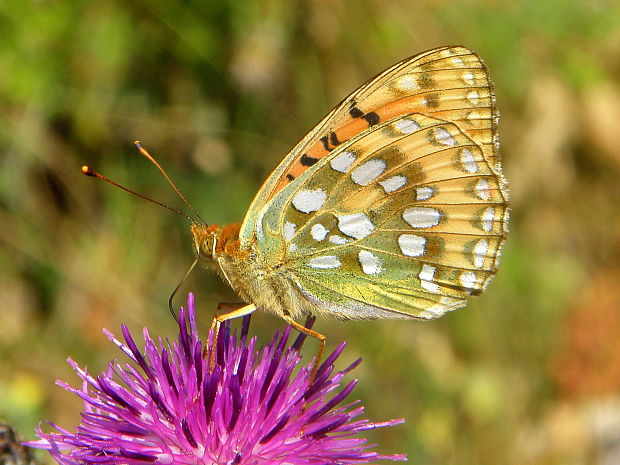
point(404, 220)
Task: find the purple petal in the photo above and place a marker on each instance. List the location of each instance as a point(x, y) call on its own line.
point(137, 356)
point(165, 363)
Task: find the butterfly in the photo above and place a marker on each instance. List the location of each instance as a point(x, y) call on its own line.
point(393, 206)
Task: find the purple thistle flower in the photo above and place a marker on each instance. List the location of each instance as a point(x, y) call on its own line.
point(166, 407)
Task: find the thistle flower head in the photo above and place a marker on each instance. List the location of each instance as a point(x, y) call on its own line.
point(257, 406)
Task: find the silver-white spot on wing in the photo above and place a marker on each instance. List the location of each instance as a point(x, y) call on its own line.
point(444, 137)
point(394, 183)
point(468, 78)
point(468, 279)
point(480, 252)
point(412, 245)
point(473, 97)
point(289, 230)
point(338, 240)
point(488, 216)
point(426, 278)
point(483, 189)
point(407, 83)
point(307, 200)
point(469, 161)
point(318, 232)
point(407, 126)
point(423, 193)
point(368, 172)
point(356, 225)
point(325, 262)
point(343, 161)
point(260, 233)
point(371, 264)
point(422, 217)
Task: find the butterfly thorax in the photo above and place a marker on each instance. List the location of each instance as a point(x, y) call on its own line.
point(218, 247)
point(263, 284)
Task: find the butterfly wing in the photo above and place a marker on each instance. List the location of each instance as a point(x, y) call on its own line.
point(406, 216)
point(448, 82)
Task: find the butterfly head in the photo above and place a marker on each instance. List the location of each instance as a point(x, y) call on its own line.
point(213, 240)
point(205, 241)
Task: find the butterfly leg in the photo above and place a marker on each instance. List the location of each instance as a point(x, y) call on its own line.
point(302, 329)
point(229, 306)
point(215, 326)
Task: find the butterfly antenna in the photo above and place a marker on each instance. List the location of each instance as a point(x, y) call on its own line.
point(146, 154)
point(172, 312)
point(89, 172)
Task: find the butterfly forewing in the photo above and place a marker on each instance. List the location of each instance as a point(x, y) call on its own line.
point(449, 82)
point(394, 205)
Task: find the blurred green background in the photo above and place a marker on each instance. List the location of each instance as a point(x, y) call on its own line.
point(219, 91)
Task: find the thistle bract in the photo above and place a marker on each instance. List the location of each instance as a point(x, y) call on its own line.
point(257, 406)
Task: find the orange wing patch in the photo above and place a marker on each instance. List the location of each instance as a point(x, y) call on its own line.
point(326, 144)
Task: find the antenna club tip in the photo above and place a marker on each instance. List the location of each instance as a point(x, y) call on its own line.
point(87, 171)
point(141, 148)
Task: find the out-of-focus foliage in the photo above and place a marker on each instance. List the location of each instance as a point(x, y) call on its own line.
point(219, 91)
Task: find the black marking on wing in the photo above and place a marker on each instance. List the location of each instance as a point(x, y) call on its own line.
point(356, 112)
point(333, 139)
point(308, 161)
point(372, 118)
